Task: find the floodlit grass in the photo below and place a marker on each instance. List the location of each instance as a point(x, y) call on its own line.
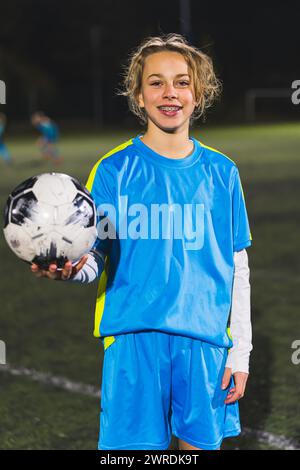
point(48, 326)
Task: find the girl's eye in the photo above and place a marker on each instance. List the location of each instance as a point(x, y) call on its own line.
point(181, 83)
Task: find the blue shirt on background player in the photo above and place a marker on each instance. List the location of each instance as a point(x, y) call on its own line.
point(4, 153)
point(47, 143)
point(49, 131)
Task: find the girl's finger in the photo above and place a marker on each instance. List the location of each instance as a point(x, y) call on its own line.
point(52, 268)
point(36, 270)
point(51, 274)
point(236, 396)
point(226, 378)
point(231, 398)
point(81, 263)
point(67, 270)
point(38, 273)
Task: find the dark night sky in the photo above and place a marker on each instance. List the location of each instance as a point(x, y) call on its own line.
point(47, 62)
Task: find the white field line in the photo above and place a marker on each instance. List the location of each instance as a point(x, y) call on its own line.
point(276, 441)
point(49, 379)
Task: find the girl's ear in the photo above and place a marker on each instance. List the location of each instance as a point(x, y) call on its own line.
point(141, 101)
point(197, 102)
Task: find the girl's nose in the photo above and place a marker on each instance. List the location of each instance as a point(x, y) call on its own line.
point(170, 91)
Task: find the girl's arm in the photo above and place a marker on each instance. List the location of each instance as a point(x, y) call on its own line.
point(92, 268)
point(240, 317)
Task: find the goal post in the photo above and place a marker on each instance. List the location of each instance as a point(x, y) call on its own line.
point(254, 94)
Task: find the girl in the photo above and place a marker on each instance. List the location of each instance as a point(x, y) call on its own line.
point(47, 143)
point(4, 153)
point(172, 263)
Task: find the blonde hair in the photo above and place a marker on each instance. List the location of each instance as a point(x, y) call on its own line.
point(207, 87)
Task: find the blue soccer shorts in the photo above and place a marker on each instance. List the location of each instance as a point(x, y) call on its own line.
point(156, 384)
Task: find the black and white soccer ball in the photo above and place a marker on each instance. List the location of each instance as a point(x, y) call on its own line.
point(50, 218)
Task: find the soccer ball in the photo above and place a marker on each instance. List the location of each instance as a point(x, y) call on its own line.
point(50, 218)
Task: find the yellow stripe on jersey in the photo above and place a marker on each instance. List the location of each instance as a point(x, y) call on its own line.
point(215, 150)
point(90, 181)
point(100, 302)
point(229, 333)
point(101, 292)
point(108, 341)
point(230, 336)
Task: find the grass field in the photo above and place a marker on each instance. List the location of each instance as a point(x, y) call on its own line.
point(48, 326)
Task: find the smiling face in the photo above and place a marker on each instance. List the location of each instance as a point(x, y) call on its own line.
point(167, 91)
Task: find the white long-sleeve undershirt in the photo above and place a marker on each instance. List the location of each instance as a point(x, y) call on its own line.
point(240, 316)
point(92, 268)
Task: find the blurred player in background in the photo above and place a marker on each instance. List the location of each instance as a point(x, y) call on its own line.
point(47, 143)
point(4, 153)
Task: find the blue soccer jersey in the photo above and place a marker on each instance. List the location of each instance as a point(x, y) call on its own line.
point(2, 128)
point(48, 130)
point(171, 230)
point(4, 153)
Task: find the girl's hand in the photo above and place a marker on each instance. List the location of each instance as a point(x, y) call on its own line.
point(66, 273)
point(238, 391)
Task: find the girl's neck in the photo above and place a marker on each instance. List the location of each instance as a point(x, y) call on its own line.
point(177, 145)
